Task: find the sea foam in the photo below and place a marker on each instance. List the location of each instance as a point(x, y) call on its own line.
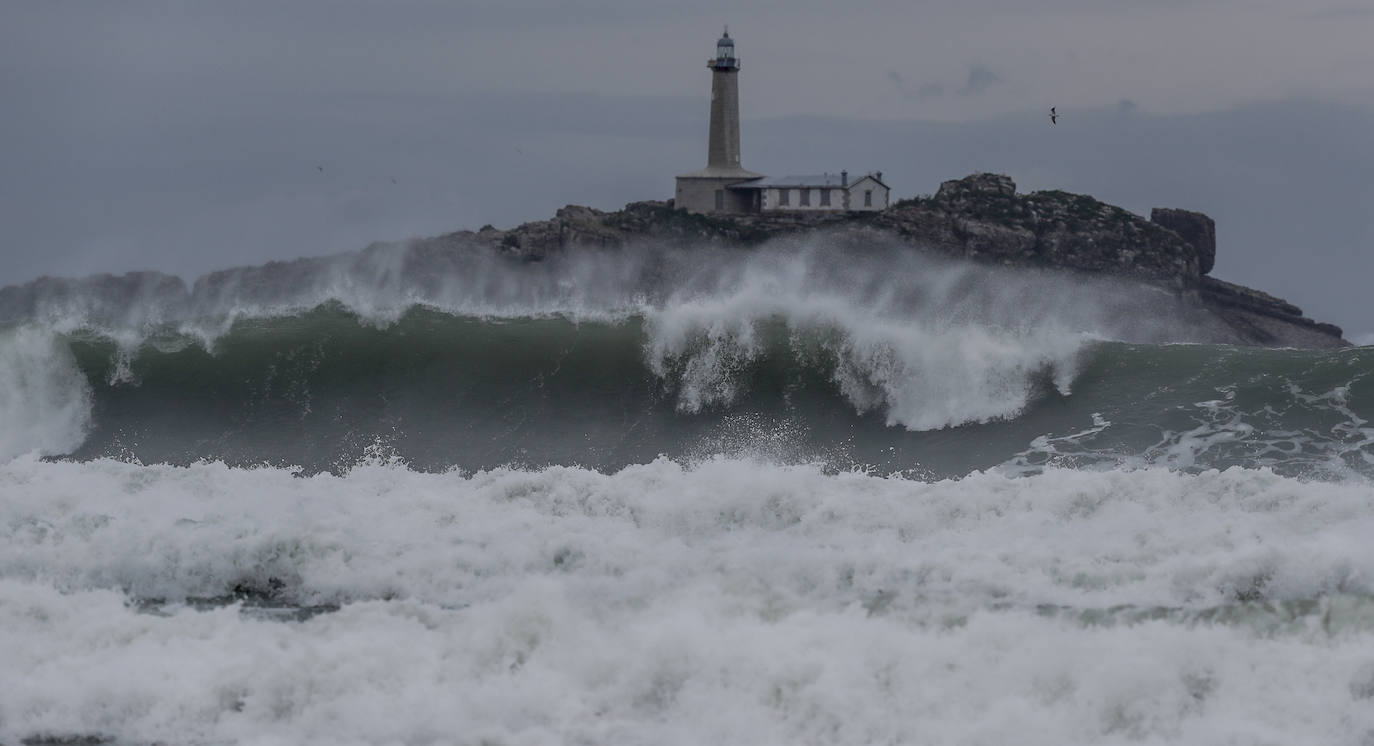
point(729, 602)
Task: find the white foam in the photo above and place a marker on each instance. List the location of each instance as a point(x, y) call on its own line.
point(1308, 425)
point(732, 602)
point(928, 342)
point(45, 402)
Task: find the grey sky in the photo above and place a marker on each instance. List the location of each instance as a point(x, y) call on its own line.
point(184, 135)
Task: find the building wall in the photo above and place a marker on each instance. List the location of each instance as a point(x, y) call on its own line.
point(772, 197)
point(698, 194)
point(856, 195)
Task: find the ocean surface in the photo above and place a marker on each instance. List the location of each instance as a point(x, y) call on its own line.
point(806, 494)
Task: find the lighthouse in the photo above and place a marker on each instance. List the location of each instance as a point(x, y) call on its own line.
point(710, 189)
point(725, 187)
point(723, 152)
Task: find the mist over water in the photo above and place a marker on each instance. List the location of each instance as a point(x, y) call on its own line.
point(811, 493)
point(363, 344)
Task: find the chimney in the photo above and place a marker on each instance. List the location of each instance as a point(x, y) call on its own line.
point(844, 178)
point(878, 175)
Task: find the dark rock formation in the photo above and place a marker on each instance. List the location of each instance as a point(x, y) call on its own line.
point(981, 218)
point(575, 226)
point(972, 189)
point(1262, 319)
point(1196, 229)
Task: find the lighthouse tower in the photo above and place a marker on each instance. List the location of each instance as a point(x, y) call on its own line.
point(709, 190)
point(724, 147)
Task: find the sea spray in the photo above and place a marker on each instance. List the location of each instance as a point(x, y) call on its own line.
point(809, 493)
point(45, 400)
point(607, 358)
point(935, 347)
point(925, 343)
point(382, 283)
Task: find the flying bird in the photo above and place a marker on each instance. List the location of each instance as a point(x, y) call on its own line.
point(1054, 117)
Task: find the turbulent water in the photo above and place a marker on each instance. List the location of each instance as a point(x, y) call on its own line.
point(804, 494)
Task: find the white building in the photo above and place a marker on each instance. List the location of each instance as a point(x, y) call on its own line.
point(726, 187)
point(818, 193)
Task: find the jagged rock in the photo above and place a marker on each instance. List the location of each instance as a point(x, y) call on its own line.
point(1007, 243)
point(584, 226)
point(978, 186)
point(1239, 296)
point(1266, 319)
point(1196, 229)
point(980, 217)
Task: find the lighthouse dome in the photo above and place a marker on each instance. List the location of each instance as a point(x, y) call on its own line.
point(725, 47)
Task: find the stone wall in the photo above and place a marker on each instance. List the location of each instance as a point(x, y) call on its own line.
point(698, 194)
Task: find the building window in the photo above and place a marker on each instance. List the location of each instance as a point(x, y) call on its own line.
point(825, 198)
point(720, 199)
point(784, 197)
point(868, 198)
point(805, 198)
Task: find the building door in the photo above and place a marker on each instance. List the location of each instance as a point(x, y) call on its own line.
point(720, 199)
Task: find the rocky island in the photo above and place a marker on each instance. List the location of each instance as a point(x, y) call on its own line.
point(979, 218)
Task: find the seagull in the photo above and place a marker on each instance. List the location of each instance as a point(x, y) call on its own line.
point(1054, 117)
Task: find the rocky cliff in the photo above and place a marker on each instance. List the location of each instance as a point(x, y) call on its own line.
point(981, 218)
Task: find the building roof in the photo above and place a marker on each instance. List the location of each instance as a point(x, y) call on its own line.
point(809, 180)
point(713, 172)
point(874, 177)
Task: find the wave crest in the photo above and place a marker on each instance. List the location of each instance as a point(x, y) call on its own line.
point(308, 355)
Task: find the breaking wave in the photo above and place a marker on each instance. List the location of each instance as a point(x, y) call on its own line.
point(805, 494)
point(340, 353)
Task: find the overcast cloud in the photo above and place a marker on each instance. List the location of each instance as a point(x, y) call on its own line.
point(185, 136)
